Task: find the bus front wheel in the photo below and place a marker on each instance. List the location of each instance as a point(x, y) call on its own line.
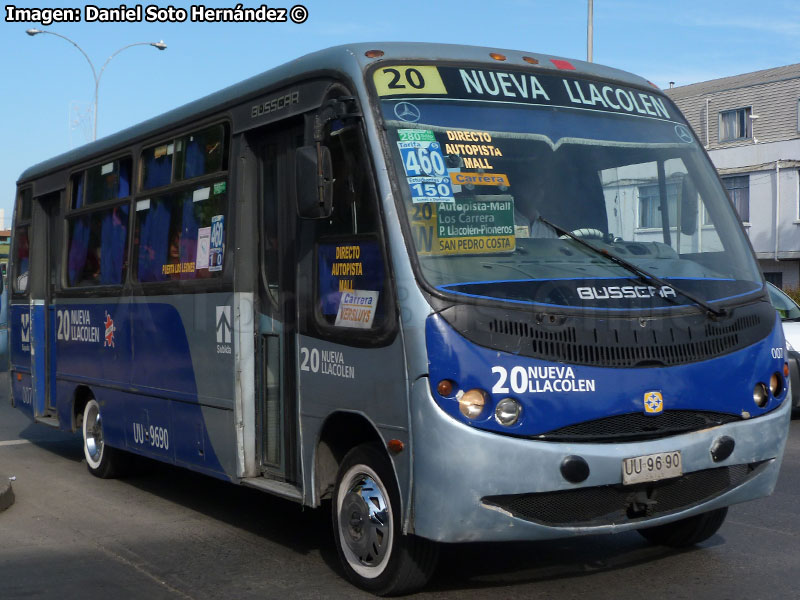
point(686, 532)
point(101, 460)
point(375, 554)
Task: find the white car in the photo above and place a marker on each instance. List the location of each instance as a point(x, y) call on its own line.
point(789, 312)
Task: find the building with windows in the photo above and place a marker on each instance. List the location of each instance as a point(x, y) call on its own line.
point(750, 125)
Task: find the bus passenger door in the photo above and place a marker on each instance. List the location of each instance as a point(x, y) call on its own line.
point(276, 404)
point(44, 267)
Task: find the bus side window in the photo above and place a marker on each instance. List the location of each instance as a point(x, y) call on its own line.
point(350, 278)
point(97, 239)
point(97, 247)
point(21, 260)
point(181, 235)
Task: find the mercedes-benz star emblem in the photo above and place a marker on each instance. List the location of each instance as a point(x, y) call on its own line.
point(405, 111)
point(683, 134)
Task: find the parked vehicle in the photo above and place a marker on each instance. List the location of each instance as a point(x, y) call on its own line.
point(3, 326)
point(790, 317)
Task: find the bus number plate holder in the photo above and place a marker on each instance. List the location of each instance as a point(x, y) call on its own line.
point(651, 467)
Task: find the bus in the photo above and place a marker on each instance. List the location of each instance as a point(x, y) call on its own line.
point(456, 294)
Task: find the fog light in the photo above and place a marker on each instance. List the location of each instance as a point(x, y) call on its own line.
point(507, 412)
point(760, 395)
point(471, 403)
point(776, 384)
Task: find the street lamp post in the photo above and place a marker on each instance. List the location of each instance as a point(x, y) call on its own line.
point(159, 45)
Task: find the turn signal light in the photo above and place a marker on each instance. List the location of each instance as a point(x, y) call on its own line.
point(373, 53)
point(445, 388)
point(395, 446)
point(785, 369)
point(497, 56)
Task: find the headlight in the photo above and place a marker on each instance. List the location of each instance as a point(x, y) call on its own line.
point(760, 395)
point(507, 412)
point(471, 403)
point(776, 384)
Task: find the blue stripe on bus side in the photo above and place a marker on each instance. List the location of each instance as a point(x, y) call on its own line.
point(137, 361)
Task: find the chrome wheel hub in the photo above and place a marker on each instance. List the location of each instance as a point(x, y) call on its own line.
point(365, 521)
point(94, 434)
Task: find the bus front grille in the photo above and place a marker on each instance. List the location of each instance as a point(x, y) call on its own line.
point(615, 504)
point(612, 342)
point(638, 426)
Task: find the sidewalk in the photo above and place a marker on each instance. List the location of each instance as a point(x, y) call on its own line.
point(6, 493)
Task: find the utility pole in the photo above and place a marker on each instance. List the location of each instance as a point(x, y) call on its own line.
point(590, 32)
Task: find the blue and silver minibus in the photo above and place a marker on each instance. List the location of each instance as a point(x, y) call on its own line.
point(459, 294)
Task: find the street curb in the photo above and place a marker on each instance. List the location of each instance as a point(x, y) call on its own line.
point(6, 493)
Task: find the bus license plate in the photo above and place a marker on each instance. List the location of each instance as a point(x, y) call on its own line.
point(651, 467)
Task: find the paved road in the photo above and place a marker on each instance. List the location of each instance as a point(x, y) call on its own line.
point(167, 533)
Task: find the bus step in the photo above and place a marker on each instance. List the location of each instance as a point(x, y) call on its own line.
point(51, 421)
point(279, 488)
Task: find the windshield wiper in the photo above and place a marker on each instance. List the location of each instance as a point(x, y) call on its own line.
point(642, 274)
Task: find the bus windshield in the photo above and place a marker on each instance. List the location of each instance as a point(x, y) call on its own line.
point(492, 188)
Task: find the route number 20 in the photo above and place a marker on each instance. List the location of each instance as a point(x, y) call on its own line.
point(401, 80)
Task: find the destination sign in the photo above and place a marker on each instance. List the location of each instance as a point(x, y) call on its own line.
point(521, 86)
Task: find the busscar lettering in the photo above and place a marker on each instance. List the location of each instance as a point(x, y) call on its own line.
point(275, 104)
point(625, 291)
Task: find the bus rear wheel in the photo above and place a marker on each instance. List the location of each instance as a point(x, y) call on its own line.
point(686, 532)
point(101, 460)
point(375, 554)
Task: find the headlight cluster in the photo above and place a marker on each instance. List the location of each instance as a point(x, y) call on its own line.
point(762, 391)
point(474, 403)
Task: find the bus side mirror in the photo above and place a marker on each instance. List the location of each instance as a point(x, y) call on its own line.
point(314, 176)
point(689, 207)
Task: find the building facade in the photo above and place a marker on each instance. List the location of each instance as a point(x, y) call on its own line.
point(750, 125)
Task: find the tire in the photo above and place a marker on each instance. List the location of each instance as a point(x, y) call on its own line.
point(375, 554)
point(686, 532)
point(101, 460)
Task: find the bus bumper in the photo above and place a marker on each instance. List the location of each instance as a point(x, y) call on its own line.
point(460, 472)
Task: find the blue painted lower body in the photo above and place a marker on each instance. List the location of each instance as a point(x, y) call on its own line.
point(136, 360)
point(168, 430)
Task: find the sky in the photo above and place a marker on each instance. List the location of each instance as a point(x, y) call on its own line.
point(48, 88)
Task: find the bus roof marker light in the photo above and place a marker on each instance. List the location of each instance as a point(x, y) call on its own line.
point(497, 56)
point(564, 65)
point(373, 53)
point(530, 60)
